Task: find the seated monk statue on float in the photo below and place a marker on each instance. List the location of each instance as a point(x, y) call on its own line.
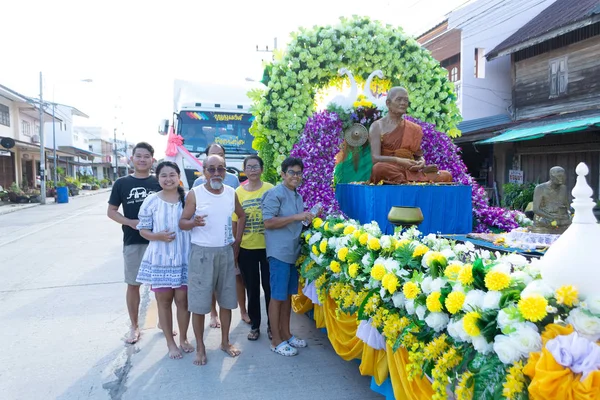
point(396, 146)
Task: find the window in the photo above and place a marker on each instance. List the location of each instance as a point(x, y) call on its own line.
point(479, 63)
point(91, 148)
point(26, 128)
point(559, 75)
point(75, 138)
point(454, 74)
point(4, 115)
point(37, 128)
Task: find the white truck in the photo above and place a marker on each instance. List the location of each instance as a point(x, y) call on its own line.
point(205, 113)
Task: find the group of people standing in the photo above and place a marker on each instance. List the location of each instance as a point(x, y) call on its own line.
point(211, 245)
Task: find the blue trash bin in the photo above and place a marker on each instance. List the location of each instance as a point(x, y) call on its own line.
point(62, 194)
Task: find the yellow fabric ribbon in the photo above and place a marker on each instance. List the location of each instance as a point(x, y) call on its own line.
point(419, 388)
point(374, 363)
point(300, 303)
point(550, 380)
point(341, 330)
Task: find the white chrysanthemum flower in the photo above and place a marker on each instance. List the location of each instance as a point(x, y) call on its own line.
point(386, 242)
point(482, 346)
point(398, 299)
point(473, 300)
point(537, 287)
point(315, 238)
point(491, 300)
point(437, 320)
point(426, 285)
point(367, 260)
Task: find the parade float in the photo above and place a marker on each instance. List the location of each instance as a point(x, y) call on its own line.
point(427, 316)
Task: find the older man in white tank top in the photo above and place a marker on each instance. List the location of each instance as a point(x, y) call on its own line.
point(207, 213)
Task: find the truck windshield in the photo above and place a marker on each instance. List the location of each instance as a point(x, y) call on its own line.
point(200, 128)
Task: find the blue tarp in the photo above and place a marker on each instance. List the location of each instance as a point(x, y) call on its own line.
point(446, 209)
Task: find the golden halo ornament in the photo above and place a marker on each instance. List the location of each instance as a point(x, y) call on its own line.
point(356, 135)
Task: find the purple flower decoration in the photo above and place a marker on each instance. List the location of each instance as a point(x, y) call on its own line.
point(317, 148)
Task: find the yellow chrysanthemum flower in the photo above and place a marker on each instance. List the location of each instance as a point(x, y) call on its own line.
point(356, 234)
point(435, 256)
point(363, 239)
point(465, 276)
point(390, 282)
point(455, 301)
point(315, 250)
point(420, 250)
point(373, 244)
point(433, 302)
point(470, 323)
point(451, 272)
point(402, 243)
point(567, 295)
point(338, 226)
point(378, 271)
point(326, 226)
point(533, 308)
point(349, 230)
point(496, 280)
point(323, 246)
point(342, 254)
point(307, 237)
point(411, 290)
point(317, 223)
point(353, 270)
point(335, 267)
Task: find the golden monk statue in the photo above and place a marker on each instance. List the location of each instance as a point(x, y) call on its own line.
point(396, 146)
point(551, 204)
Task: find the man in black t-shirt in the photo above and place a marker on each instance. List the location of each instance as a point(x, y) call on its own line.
point(129, 193)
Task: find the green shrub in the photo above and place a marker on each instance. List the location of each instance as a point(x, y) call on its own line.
point(517, 196)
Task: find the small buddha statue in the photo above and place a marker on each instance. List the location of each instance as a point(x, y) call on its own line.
point(551, 204)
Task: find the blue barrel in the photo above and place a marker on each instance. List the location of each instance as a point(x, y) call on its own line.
point(62, 194)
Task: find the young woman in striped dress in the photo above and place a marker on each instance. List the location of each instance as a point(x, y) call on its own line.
point(165, 263)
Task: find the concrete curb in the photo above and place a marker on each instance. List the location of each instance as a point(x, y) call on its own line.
point(18, 207)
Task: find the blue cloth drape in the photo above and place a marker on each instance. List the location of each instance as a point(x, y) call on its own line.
point(446, 209)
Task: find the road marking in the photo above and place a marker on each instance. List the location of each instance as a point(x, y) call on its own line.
point(45, 227)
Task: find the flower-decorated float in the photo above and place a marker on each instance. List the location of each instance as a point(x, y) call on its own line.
point(426, 316)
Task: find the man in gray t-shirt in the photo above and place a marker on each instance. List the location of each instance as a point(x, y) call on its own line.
point(283, 214)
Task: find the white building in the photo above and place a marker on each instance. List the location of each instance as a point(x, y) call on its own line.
point(20, 124)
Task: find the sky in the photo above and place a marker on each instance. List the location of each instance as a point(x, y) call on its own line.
point(133, 50)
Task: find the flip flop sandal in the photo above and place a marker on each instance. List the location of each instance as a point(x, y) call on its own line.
point(284, 349)
point(254, 334)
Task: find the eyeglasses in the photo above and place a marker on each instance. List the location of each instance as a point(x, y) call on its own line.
point(212, 170)
point(253, 168)
point(294, 173)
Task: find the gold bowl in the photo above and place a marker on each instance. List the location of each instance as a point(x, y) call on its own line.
point(405, 216)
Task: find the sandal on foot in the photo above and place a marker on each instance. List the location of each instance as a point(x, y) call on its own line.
point(284, 349)
point(296, 342)
point(254, 334)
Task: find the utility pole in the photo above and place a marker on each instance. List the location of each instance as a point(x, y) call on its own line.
point(116, 158)
point(54, 142)
point(42, 170)
point(266, 50)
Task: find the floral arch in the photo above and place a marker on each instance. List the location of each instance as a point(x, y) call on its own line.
point(312, 61)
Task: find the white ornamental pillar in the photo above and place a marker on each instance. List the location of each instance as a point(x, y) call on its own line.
point(573, 259)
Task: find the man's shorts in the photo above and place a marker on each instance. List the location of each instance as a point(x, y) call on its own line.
point(284, 279)
point(211, 269)
point(132, 255)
